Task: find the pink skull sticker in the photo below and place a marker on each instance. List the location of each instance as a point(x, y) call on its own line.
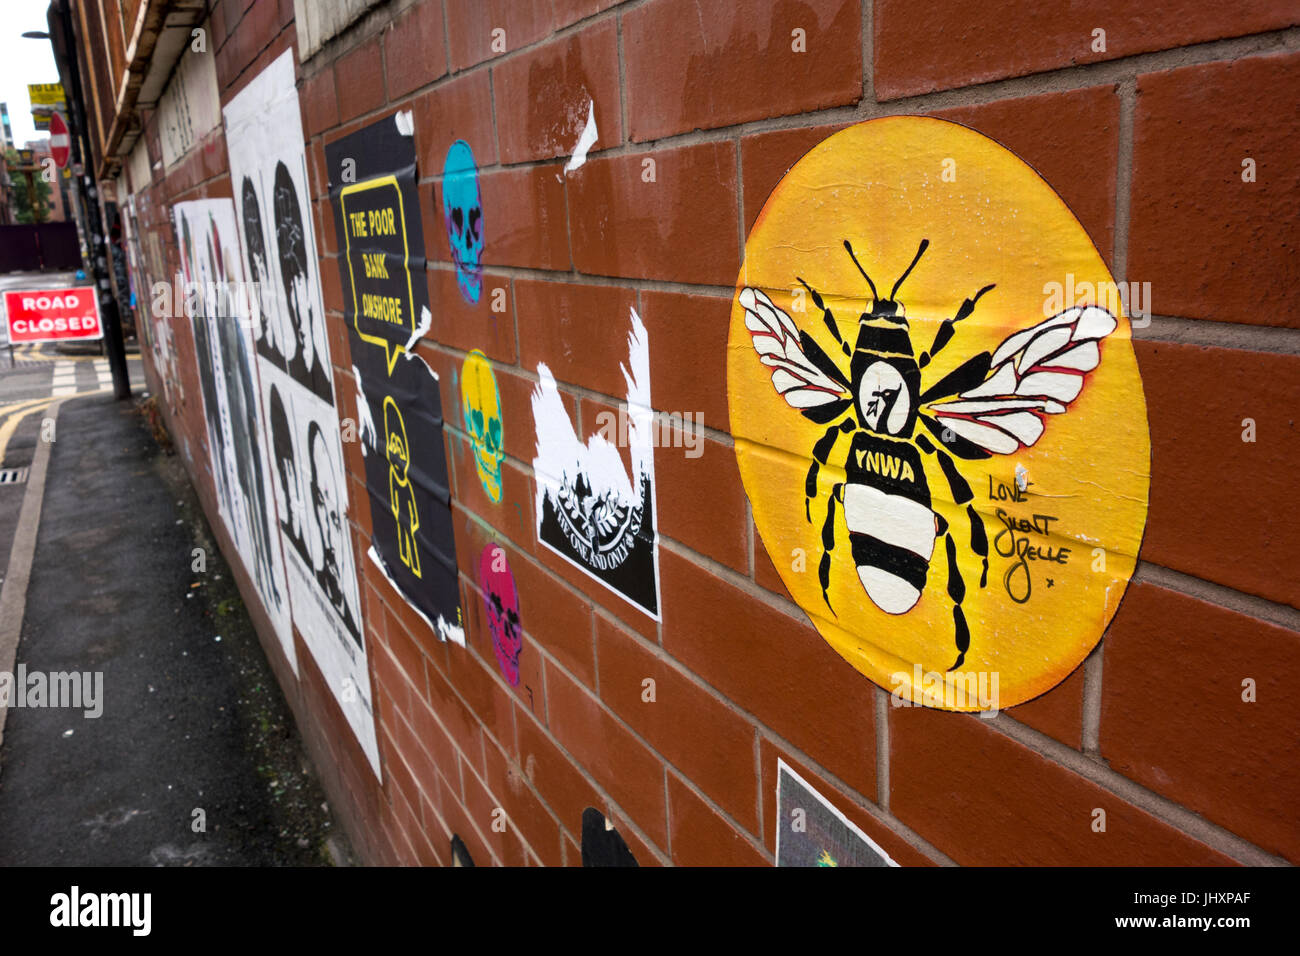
point(501, 601)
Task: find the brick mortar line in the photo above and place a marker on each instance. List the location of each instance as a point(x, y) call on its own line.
point(1220, 595)
point(1175, 330)
point(882, 748)
point(1090, 719)
point(1126, 91)
point(1095, 771)
point(879, 813)
point(582, 767)
point(1215, 333)
point(1063, 79)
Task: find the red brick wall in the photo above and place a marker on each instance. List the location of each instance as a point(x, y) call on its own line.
point(1144, 141)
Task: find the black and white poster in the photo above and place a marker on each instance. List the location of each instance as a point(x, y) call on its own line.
point(386, 305)
point(269, 177)
point(810, 831)
point(223, 340)
point(590, 510)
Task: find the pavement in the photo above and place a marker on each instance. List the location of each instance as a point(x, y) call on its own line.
point(194, 758)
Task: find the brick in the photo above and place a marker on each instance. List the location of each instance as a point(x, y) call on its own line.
point(459, 109)
point(562, 785)
point(568, 12)
point(484, 809)
point(631, 773)
point(1173, 718)
point(684, 229)
point(470, 24)
point(360, 80)
point(579, 331)
point(1224, 531)
point(644, 853)
point(414, 49)
point(954, 43)
point(686, 71)
point(463, 726)
point(851, 805)
point(703, 837)
point(688, 341)
point(519, 430)
point(524, 218)
point(319, 100)
point(715, 523)
point(1057, 713)
point(986, 800)
point(486, 696)
point(560, 618)
point(765, 575)
point(471, 325)
point(1211, 245)
point(771, 665)
point(527, 813)
point(544, 96)
point(693, 729)
point(512, 515)
point(1044, 132)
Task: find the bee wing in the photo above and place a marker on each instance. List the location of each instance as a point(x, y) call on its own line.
point(801, 372)
point(1037, 371)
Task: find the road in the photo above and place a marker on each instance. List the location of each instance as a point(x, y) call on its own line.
point(31, 377)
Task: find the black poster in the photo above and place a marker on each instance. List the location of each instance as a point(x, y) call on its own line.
point(386, 304)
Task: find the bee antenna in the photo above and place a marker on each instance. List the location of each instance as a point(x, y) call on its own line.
point(874, 296)
point(925, 244)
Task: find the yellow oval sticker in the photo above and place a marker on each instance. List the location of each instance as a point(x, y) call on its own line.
point(937, 413)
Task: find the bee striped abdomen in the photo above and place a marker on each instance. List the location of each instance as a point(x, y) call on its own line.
point(891, 527)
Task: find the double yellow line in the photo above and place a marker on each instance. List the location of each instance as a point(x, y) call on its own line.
point(13, 415)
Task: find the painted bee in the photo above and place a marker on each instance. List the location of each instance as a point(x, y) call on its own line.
point(990, 404)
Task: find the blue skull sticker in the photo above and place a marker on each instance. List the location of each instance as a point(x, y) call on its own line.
point(462, 209)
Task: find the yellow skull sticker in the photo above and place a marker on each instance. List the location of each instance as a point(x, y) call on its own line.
point(937, 411)
point(482, 406)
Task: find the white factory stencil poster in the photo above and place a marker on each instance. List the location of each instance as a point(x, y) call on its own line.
point(268, 174)
point(223, 345)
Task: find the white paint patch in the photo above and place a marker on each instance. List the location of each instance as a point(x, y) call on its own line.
point(585, 141)
point(405, 123)
point(426, 322)
point(367, 423)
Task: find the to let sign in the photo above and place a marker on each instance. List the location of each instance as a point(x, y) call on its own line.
point(53, 314)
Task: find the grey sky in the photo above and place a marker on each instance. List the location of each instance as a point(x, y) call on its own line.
point(23, 61)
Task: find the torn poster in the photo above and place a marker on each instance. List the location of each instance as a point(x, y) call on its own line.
point(268, 172)
point(590, 510)
point(386, 306)
point(228, 385)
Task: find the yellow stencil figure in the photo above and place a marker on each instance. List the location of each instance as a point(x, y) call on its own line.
point(401, 497)
point(938, 415)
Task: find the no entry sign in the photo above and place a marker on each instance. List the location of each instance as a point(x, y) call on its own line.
point(47, 315)
point(59, 141)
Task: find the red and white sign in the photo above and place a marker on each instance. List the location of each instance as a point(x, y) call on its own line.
point(60, 142)
point(46, 315)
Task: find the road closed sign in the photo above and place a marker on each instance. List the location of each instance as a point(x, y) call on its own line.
point(53, 315)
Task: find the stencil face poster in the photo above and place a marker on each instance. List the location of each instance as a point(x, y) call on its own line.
point(269, 177)
point(386, 304)
point(228, 384)
point(590, 510)
point(811, 832)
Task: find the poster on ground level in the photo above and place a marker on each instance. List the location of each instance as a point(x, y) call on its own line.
point(228, 383)
point(386, 306)
point(268, 175)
